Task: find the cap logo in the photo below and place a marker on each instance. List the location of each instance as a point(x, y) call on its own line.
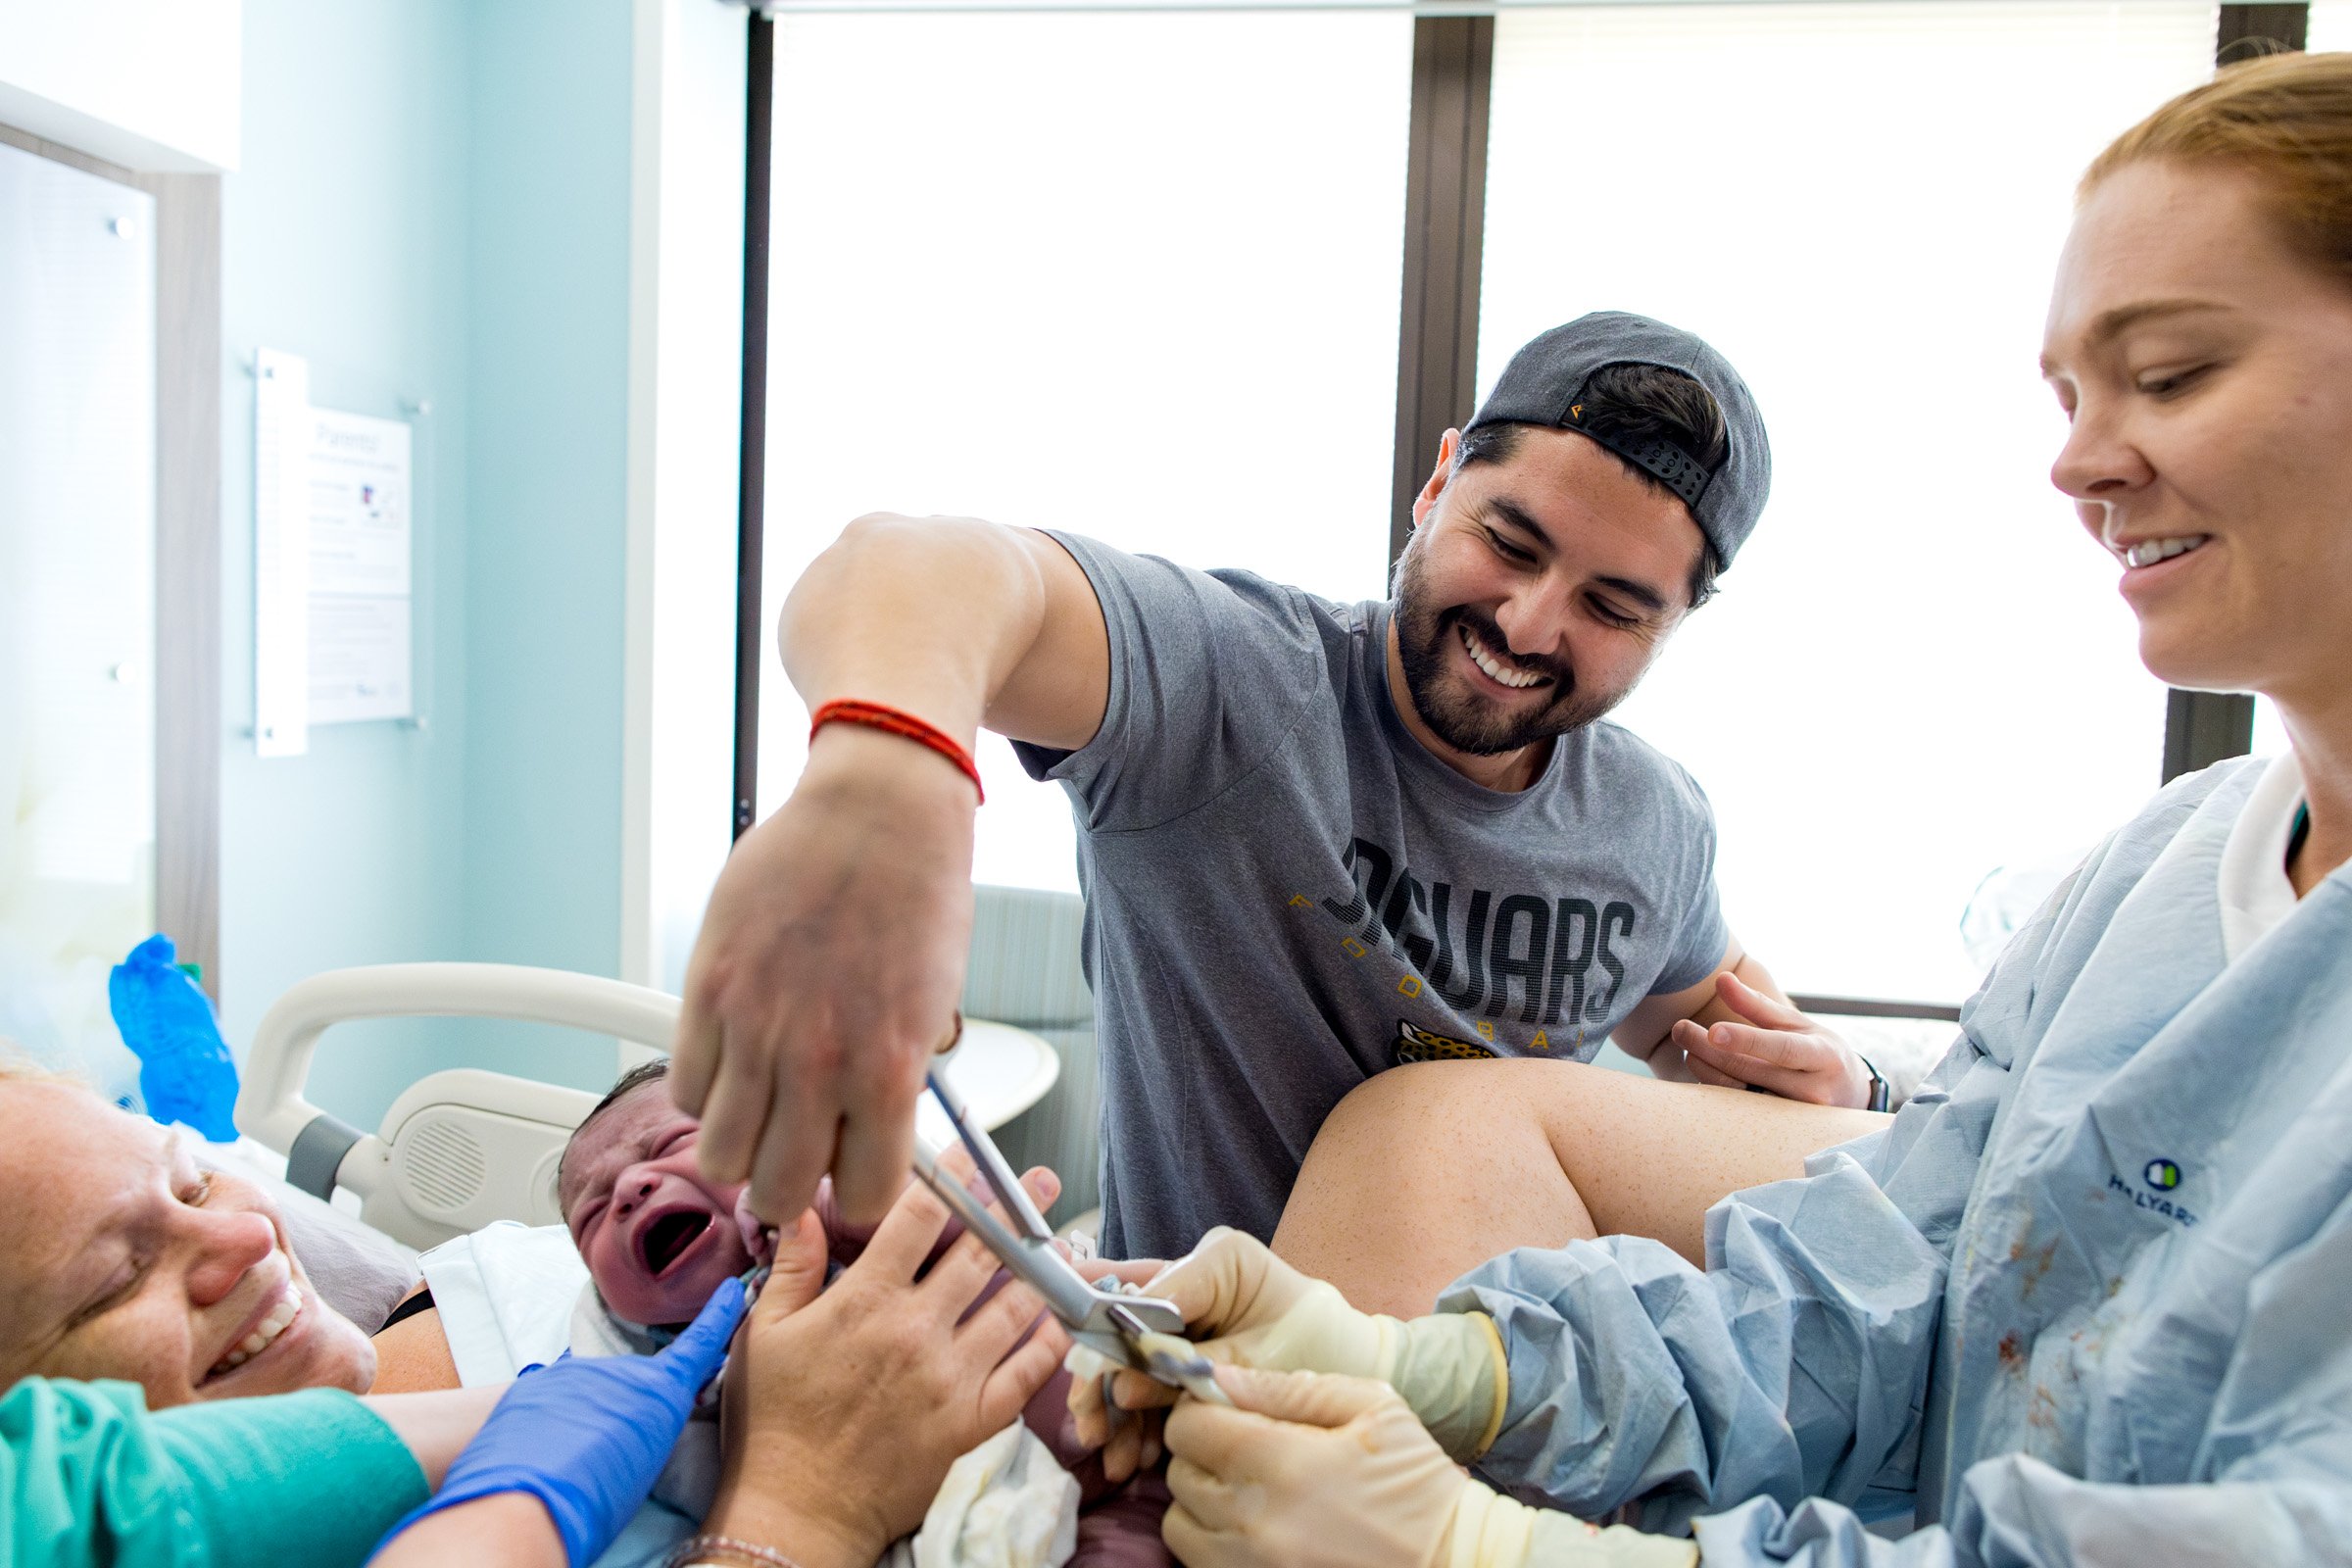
point(1576, 410)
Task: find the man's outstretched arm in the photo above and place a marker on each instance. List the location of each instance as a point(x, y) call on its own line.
point(965, 623)
point(832, 953)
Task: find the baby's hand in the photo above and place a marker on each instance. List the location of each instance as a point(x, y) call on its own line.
point(758, 1236)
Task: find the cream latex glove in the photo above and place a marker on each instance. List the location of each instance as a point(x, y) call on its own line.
point(1313, 1471)
point(1246, 1307)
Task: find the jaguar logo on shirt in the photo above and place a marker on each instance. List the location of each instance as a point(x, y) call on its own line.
point(1422, 1044)
point(1545, 961)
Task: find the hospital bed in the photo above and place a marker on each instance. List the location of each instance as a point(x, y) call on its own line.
point(464, 1148)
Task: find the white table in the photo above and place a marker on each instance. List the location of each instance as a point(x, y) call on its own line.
point(999, 1071)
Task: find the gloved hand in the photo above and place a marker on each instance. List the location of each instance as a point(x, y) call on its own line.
point(1310, 1470)
point(588, 1437)
point(1248, 1308)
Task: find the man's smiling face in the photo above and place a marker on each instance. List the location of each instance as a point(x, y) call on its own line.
point(1535, 590)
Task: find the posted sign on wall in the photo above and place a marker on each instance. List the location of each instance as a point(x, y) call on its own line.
point(333, 583)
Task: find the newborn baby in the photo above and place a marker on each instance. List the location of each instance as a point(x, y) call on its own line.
point(658, 1239)
point(656, 1236)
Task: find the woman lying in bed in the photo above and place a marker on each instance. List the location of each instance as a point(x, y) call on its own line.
point(122, 1259)
point(121, 1256)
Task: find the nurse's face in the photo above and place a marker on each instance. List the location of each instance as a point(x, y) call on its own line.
point(119, 1258)
point(2206, 368)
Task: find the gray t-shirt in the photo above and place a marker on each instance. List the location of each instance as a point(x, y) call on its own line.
point(1285, 892)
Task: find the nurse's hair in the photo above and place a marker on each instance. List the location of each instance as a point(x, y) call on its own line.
point(2286, 119)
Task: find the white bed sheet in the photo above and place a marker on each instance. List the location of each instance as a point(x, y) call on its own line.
point(504, 1294)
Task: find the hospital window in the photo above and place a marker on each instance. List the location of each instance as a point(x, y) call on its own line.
point(1134, 276)
point(1918, 680)
point(1137, 274)
point(2330, 25)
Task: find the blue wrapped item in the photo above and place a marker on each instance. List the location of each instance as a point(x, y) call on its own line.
point(185, 1072)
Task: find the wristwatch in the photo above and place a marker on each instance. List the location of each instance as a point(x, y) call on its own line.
point(1882, 1093)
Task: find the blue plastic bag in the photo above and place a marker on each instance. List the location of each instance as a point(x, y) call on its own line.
point(185, 1072)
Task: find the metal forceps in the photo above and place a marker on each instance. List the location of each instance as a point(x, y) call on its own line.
point(1139, 1332)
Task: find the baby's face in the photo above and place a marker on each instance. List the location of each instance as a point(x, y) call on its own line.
point(657, 1237)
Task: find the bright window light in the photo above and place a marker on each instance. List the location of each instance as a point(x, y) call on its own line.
point(1133, 276)
point(2269, 730)
point(1919, 672)
point(2330, 25)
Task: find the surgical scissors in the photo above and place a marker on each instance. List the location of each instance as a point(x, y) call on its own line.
point(1139, 1332)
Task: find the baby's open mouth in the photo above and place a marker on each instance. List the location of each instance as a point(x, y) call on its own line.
point(666, 1238)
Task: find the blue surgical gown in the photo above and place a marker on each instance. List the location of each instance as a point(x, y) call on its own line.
point(2088, 1299)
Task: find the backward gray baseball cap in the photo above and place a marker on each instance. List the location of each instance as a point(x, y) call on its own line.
point(1545, 384)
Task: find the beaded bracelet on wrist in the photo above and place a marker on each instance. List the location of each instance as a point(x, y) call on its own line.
point(725, 1551)
point(900, 722)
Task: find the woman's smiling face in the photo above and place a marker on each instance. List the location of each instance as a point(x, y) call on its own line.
point(122, 1257)
point(2206, 368)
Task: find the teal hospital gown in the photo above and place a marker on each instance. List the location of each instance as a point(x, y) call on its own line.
point(2083, 1302)
point(91, 1477)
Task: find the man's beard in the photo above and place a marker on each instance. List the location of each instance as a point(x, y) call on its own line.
point(1465, 719)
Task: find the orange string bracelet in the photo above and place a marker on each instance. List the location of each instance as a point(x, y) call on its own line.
point(897, 721)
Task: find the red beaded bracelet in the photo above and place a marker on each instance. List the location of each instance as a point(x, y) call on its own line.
point(897, 721)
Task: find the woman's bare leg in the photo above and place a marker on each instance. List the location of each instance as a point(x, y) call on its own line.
point(1428, 1170)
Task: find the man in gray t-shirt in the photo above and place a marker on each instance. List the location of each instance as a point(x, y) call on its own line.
point(1317, 841)
point(1315, 897)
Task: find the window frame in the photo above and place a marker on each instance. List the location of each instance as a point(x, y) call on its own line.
point(1445, 183)
point(187, 546)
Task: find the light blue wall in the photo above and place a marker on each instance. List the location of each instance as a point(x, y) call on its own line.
point(434, 204)
point(344, 240)
point(548, 261)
